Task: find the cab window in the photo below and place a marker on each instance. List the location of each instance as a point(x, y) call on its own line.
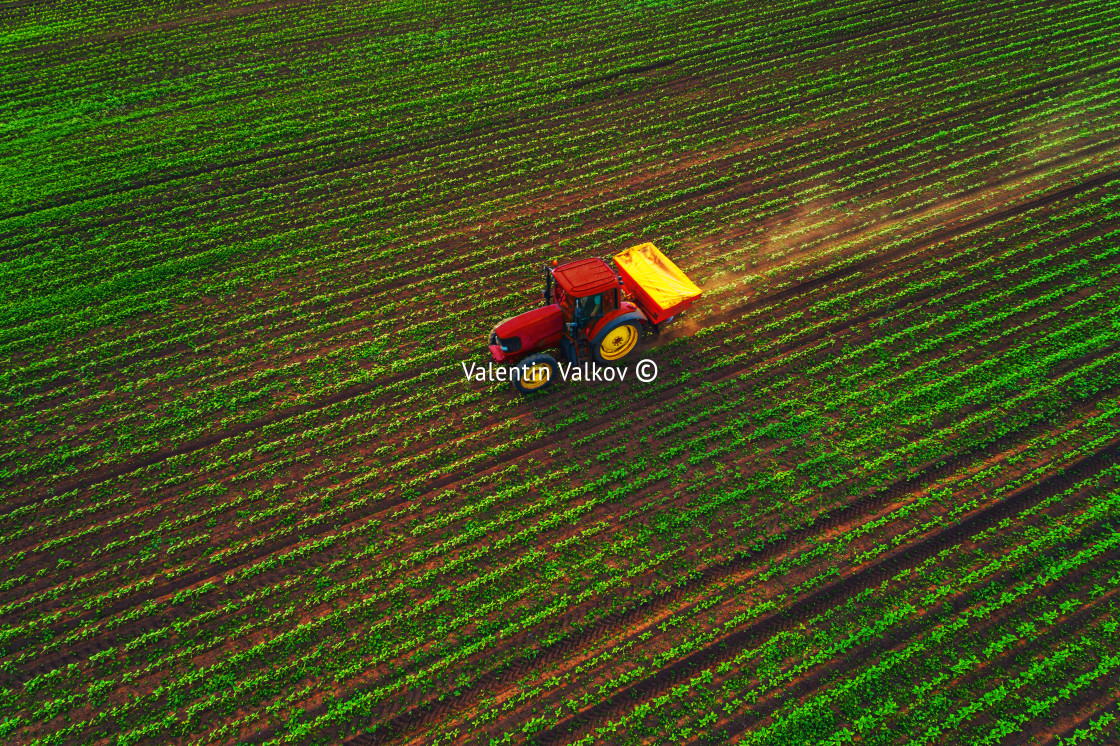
point(590, 307)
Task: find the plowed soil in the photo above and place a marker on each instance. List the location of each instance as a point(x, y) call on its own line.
point(249, 495)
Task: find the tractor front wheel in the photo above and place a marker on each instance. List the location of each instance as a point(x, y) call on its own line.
point(616, 340)
point(537, 372)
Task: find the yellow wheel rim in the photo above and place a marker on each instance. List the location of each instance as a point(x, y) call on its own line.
point(619, 342)
point(535, 376)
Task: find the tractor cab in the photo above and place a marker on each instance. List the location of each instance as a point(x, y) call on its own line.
point(598, 324)
point(585, 290)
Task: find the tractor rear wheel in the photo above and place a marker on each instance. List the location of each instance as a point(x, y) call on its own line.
point(616, 340)
point(537, 373)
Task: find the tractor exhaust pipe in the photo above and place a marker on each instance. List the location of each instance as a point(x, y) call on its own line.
point(547, 284)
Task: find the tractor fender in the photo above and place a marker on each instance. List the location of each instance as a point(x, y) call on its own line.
point(626, 310)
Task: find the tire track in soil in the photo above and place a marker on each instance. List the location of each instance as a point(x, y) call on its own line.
point(1079, 621)
point(857, 657)
point(833, 524)
point(1107, 700)
point(868, 503)
point(440, 709)
point(648, 623)
point(954, 606)
point(889, 565)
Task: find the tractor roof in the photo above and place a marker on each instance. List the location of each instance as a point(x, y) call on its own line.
point(585, 277)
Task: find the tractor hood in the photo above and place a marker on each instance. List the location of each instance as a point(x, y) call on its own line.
point(532, 331)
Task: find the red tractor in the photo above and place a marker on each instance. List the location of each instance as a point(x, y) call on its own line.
point(592, 313)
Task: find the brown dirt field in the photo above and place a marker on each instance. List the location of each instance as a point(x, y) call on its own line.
point(279, 429)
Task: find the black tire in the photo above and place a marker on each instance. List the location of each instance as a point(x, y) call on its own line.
point(532, 367)
point(617, 339)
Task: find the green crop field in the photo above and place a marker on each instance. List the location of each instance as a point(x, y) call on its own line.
point(248, 494)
